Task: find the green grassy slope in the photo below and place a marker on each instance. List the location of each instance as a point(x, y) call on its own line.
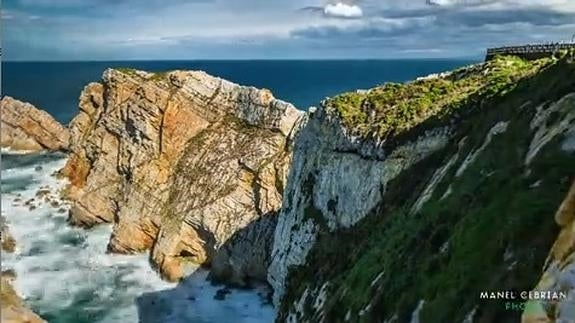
point(491, 232)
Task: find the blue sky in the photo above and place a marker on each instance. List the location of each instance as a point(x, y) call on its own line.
point(270, 29)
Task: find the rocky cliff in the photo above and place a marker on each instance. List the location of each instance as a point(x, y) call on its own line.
point(401, 200)
point(184, 164)
point(408, 199)
point(24, 127)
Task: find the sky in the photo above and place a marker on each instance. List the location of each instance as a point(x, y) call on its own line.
point(274, 29)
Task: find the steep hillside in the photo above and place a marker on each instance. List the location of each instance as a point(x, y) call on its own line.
point(404, 202)
point(181, 162)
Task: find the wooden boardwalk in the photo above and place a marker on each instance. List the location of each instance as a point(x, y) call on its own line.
point(529, 51)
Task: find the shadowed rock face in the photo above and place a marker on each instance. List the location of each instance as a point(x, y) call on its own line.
point(403, 198)
point(24, 127)
point(180, 162)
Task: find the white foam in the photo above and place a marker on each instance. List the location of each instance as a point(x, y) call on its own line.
point(10, 151)
point(65, 275)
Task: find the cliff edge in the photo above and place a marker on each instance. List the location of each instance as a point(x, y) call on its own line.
point(406, 199)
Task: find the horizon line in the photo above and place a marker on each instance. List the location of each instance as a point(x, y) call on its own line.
point(241, 59)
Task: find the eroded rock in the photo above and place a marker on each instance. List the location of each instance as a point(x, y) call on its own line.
point(559, 271)
point(335, 181)
point(180, 161)
point(25, 127)
point(13, 309)
point(8, 242)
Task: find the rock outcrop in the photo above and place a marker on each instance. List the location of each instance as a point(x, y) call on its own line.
point(336, 181)
point(559, 272)
point(27, 128)
point(12, 308)
point(183, 163)
point(8, 244)
point(406, 199)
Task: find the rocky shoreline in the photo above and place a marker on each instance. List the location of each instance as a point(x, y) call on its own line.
point(12, 308)
point(197, 170)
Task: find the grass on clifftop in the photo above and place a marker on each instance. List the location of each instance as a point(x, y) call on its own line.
point(157, 76)
point(394, 108)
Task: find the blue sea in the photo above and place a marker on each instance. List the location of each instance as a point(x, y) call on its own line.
point(56, 86)
point(64, 274)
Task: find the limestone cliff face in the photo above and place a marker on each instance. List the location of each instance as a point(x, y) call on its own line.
point(25, 127)
point(336, 180)
point(406, 199)
point(180, 162)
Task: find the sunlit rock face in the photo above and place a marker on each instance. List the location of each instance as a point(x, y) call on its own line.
point(13, 309)
point(180, 162)
point(27, 128)
point(559, 275)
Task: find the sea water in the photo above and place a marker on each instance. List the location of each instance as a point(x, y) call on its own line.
point(65, 275)
point(56, 86)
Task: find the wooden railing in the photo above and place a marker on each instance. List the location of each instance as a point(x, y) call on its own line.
point(529, 51)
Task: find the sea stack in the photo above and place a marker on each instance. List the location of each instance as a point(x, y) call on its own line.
point(181, 162)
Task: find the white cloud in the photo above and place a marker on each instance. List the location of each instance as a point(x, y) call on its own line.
point(343, 10)
point(441, 2)
point(176, 29)
point(52, 3)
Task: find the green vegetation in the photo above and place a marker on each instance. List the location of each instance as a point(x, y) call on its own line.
point(395, 108)
point(127, 70)
point(493, 232)
point(159, 76)
point(228, 139)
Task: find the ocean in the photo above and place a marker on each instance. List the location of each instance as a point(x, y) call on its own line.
point(64, 273)
point(56, 86)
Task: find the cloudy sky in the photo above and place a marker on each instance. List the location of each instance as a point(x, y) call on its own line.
point(254, 29)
